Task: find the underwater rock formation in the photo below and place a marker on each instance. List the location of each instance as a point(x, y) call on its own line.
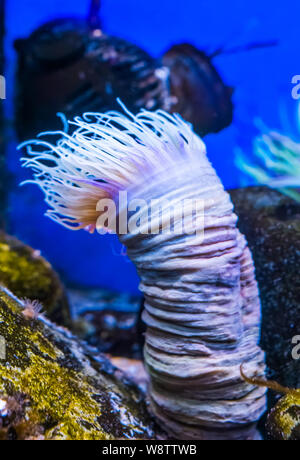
point(72, 66)
point(54, 387)
point(63, 67)
point(107, 320)
point(198, 91)
point(201, 300)
point(283, 422)
point(271, 224)
point(30, 276)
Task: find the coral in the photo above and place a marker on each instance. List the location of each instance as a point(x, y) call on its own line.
point(60, 388)
point(30, 276)
point(201, 299)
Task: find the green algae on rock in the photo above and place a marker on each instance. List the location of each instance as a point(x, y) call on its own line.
point(59, 387)
point(283, 422)
point(28, 275)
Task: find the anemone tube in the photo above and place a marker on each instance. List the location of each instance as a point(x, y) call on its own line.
point(202, 307)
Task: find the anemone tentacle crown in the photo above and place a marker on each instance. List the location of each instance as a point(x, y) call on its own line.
point(202, 306)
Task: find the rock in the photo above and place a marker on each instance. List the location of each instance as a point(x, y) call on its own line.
point(283, 422)
point(54, 387)
point(199, 94)
point(108, 320)
point(62, 67)
point(28, 275)
point(134, 369)
point(271, 223)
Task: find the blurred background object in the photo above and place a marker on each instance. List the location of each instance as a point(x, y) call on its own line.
point(277, 162)
point(66, 66)
point(72, 66)
point(199, 93)
point(108, 321)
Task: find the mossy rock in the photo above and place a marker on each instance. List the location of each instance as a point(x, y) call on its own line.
point(52, 386)
point(283, 422)
point(28, 275)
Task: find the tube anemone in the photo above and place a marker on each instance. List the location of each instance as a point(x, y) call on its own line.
point(202, 307)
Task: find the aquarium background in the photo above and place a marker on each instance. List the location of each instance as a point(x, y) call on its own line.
point(261, 78)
